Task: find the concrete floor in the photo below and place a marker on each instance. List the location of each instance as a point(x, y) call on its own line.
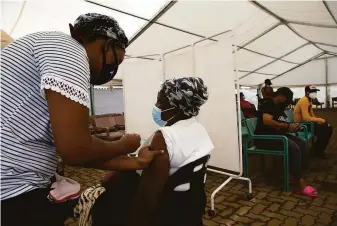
point(270, 206)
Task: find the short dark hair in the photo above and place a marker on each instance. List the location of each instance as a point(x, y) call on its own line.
point(267, 82)
point(285, 91)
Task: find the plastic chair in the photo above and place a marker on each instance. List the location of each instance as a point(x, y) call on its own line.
point(244, 130)
point(308, 132)
point(251, 125)
point(184, 205)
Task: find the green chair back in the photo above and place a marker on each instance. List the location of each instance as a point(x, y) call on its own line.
point(251, 125)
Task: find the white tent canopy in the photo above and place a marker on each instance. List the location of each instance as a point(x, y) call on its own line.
point(276, 40)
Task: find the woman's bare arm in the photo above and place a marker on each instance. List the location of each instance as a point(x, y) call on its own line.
point(70, 124)
point(121, 163)
point(151, 185)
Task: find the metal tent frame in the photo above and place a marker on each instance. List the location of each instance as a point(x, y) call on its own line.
point(281, 21)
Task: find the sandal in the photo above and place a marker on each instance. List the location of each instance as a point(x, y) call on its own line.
point(308, 191)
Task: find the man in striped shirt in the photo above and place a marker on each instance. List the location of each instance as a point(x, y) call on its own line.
point(45, 79)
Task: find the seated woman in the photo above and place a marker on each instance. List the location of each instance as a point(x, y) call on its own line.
point(171, 191)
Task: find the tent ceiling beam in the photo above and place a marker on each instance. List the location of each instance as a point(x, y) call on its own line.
point(138, 57)
point(331, 53)
point(322, 58)
point(260, 73)
point(151, 21)
point(326, 44)
point(294, 50)
point(311, 24)
point(262, 54)
point(329, 10)
point(283, 21)
point(260, 35)
point(326, 83)
point(301, 64)
point(116, 10)
point(201, 40)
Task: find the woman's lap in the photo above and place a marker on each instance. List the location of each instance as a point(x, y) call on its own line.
point(113, 206)
point(34, 208)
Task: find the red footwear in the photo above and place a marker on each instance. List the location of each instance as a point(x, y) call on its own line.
point(308, 191)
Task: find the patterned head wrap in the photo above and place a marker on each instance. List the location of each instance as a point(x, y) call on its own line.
point(92, 24)
point(187, 93)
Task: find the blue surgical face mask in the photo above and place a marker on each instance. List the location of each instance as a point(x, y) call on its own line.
point(156, 115)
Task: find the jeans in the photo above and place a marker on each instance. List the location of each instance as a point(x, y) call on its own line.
point(323, 133)
point(297, 149)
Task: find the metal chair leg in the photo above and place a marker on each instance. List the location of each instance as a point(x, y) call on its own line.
point(286, 173)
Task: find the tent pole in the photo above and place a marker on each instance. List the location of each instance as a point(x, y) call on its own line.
point(150, 21)
point(322, 58)
point(294, 50)
point(329, 10)
point(260, 35)
point(262, 54)
point(325, 44)
point(260, 73)
point(311, 24)
point(327, 90)
point(201, 40)
point(284, 22)
point(301, 64)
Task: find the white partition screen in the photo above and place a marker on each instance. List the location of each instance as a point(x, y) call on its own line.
point(179, 64)
point(141, 83)
point(214, 64)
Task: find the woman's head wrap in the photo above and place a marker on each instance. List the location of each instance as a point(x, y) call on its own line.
point(92, 24)
point(188, 94)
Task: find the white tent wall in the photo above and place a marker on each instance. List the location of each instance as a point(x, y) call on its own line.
point(332, 70)
point(333, 91)
point(310, 73)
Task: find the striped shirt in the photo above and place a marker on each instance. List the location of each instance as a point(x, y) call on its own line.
point(45, 60)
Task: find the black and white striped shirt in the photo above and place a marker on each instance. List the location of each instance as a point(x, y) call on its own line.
point(45, 60)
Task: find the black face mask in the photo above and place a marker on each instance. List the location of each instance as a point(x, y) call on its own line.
point(108, 71)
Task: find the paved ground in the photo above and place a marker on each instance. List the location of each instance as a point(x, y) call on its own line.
point(270, 206)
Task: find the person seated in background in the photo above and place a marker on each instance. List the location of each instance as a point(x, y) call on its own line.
point(272, 120)
point(303, 112)
point(156, 198)
point(248, 109)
